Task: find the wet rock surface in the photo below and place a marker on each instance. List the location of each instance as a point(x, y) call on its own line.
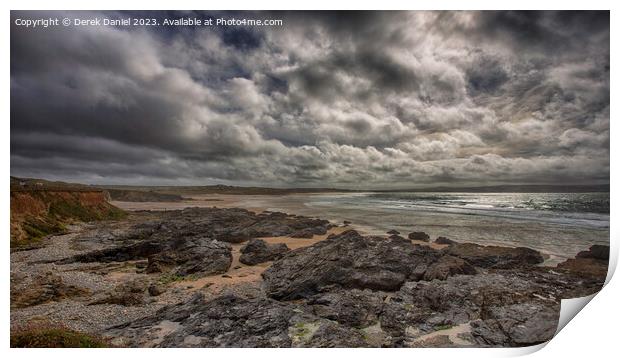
point(258, 251)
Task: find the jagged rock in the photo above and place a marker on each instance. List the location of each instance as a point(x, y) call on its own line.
point(598, 252)
point(393, 232)
point(448, 266)
point(427, 305)
point(346, 222)
point(495, 256)
point(43, 288)
point(517, 325)
point(192, 256)
point(444, 241)
point(396, 237)
point(258, 251)
point(233, 321)
point(419, 236)
point(131, 293)
point(348, 260)
point(353, 308)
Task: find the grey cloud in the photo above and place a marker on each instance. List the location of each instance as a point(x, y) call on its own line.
point(379, 99)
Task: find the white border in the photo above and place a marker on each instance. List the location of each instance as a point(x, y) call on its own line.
point(591, 333)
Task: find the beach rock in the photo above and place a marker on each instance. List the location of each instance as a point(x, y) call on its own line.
point(43, 288)
point(517, 325)
point(233, 321)
point(419, 236)
point(352, 308)
point(309, 232)
point(495, 256)
point(598, 252)
point(448, 266)
point(349, 260)
point(444, 241)
point(192, 256)
point(258, 251)
point(396, 237)
point(393, 232)
point(346, 222)
point(585, 264)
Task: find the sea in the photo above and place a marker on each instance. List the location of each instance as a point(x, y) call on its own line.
point(557, 224)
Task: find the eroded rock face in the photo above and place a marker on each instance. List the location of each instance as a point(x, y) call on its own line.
point(349, 260)
point(233, 321)
point(495, 256)
point(258, 251)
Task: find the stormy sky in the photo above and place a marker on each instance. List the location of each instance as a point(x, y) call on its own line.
point(339, 99)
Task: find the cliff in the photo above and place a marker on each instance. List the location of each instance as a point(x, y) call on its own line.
point(36, 213)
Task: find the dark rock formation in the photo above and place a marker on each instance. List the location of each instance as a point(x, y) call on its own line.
point(495, 256)
point(598, 252)
point(352, 308)
point(592, 263)
point(448, 266)
point(522, 324)
point(192, 256)
point(257, 251)
point(156, 289)
point(348, 260)
point(233, 321)
point(393, 232)
point(419, 236)
point(444, 241)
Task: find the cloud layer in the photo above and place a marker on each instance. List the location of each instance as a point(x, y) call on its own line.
point(343, 99)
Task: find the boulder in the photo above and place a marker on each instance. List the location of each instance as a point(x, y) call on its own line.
point(444, 241)
point(598, 252)
point(258, 251)
point(495, 256)
point(156, 289)
point(419, 236)
point(348, 260)
point(393, 232)
point(448, 266)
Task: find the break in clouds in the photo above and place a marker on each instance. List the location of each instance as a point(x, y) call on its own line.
point(350, 100)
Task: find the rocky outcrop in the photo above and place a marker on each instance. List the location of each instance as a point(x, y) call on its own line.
point(444, 241)
point(348, 260)
point(592, 263)
point(258, 251)
point(233, 321)
point(495, 256)
point(184, 257)
point(43, 288)
point(419, 236)
point(448, 266)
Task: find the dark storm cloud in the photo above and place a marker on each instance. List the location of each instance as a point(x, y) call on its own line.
point(366, 99)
